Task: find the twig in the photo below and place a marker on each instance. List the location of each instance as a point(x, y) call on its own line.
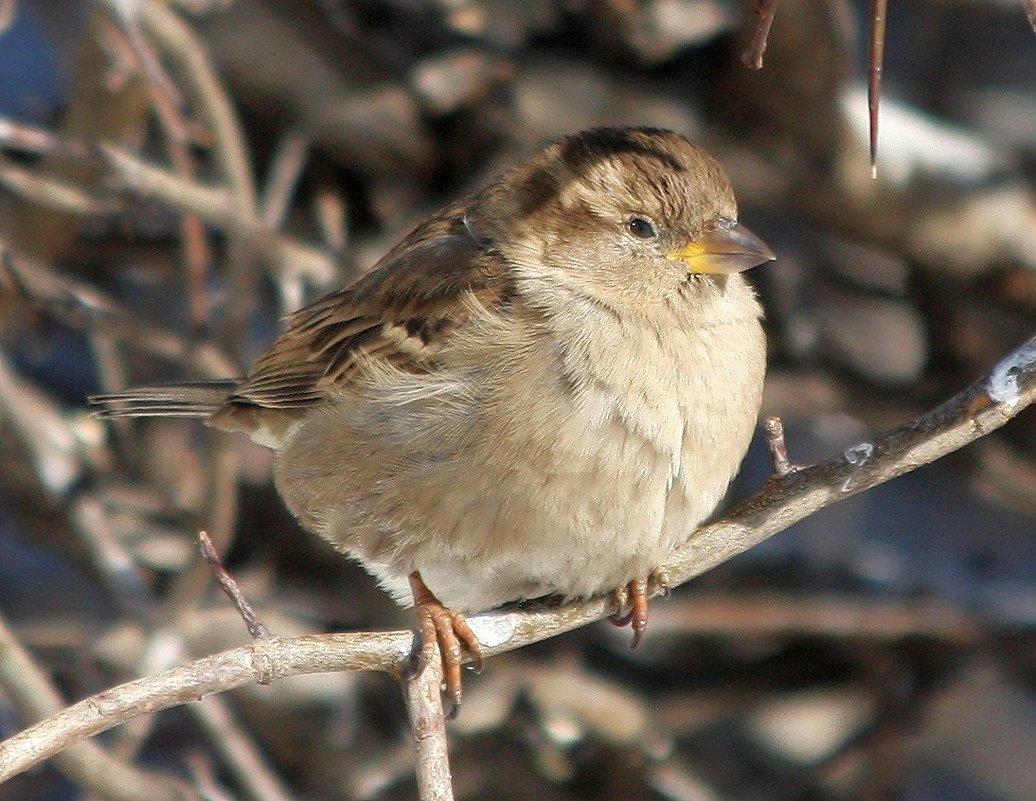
point(35, 697)
point(48, 435)
point(220, 511)
point(217, 207)
point(53, 192)
point(256, 628)
point(240, 753)
point(752, 56)
point(204, 778)
point(330, 208)
point(988, 404)
point(81, 306)
point(8, 11)
point(285, 171)
point(875, 71)
point(179, 42)
point(168, 105)
point(30, 139)
point(830, 616)
point(428, 728)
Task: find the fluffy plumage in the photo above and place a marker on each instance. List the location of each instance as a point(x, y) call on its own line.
point(541, 390)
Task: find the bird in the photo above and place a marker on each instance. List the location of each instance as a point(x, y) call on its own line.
point(542, 390)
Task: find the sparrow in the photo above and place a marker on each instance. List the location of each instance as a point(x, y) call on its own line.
point(542, 390)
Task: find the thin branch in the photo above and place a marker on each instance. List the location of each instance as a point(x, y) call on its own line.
point(987, 405)
point(259, 663)
point(48, 434)
point(286, 168)
point(217, 207)
point(428, 728)
point(289, 160)
point(768, 614)
point(229, 149)
point(32, 693)
point(752, 56)
point(179, 42)
point(168, 104)
point(240, 753)
point(875, 73)
point(8, 11)
point(256, 628)
point(25, 138)
point(53, 193)
point(81, 306)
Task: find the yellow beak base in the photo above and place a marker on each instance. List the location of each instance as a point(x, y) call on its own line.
point(723, 251)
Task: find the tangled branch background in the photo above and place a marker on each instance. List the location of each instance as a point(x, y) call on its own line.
point(176, 176)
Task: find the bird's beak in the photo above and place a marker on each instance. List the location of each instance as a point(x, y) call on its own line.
point(723, 251)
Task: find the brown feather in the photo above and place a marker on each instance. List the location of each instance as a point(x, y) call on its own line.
point(400, 313)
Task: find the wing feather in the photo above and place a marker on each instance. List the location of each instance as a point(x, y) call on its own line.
point(402, 313)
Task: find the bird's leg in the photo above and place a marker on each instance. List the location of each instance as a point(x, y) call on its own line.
point(636, 594)
point(438, 624)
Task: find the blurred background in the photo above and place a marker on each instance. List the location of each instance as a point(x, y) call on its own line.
point(175, 177)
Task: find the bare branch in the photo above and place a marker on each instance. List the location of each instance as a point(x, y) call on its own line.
point(217, 207)
point(82, 306)
point(240, 753)
point(765, 10)
point(180, 43)
point(988, 404)
point(428, 728)
point(875, 72)
point(256, 628)
point(289, 160)
point(8, 11)
point(35, 697)
point(53, 192)
point(168, 105)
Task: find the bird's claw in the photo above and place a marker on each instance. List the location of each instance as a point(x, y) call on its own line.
point(443, 628)
point(635, 595)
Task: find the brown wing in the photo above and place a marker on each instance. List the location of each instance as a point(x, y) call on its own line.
point(401, 312)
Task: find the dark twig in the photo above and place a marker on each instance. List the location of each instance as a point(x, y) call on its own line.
point(752, 56)
point(81, 306)
point(54, 192)
point(256, 628)
point(875, 71)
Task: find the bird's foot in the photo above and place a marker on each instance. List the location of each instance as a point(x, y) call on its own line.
point(635, 595)
point(442, 626)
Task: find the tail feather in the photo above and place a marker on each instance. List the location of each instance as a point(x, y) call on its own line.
point(200, 399)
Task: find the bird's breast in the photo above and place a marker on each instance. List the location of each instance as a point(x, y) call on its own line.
point(550, 466)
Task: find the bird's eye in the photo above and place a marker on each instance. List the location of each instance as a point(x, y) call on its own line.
point(641, 227)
